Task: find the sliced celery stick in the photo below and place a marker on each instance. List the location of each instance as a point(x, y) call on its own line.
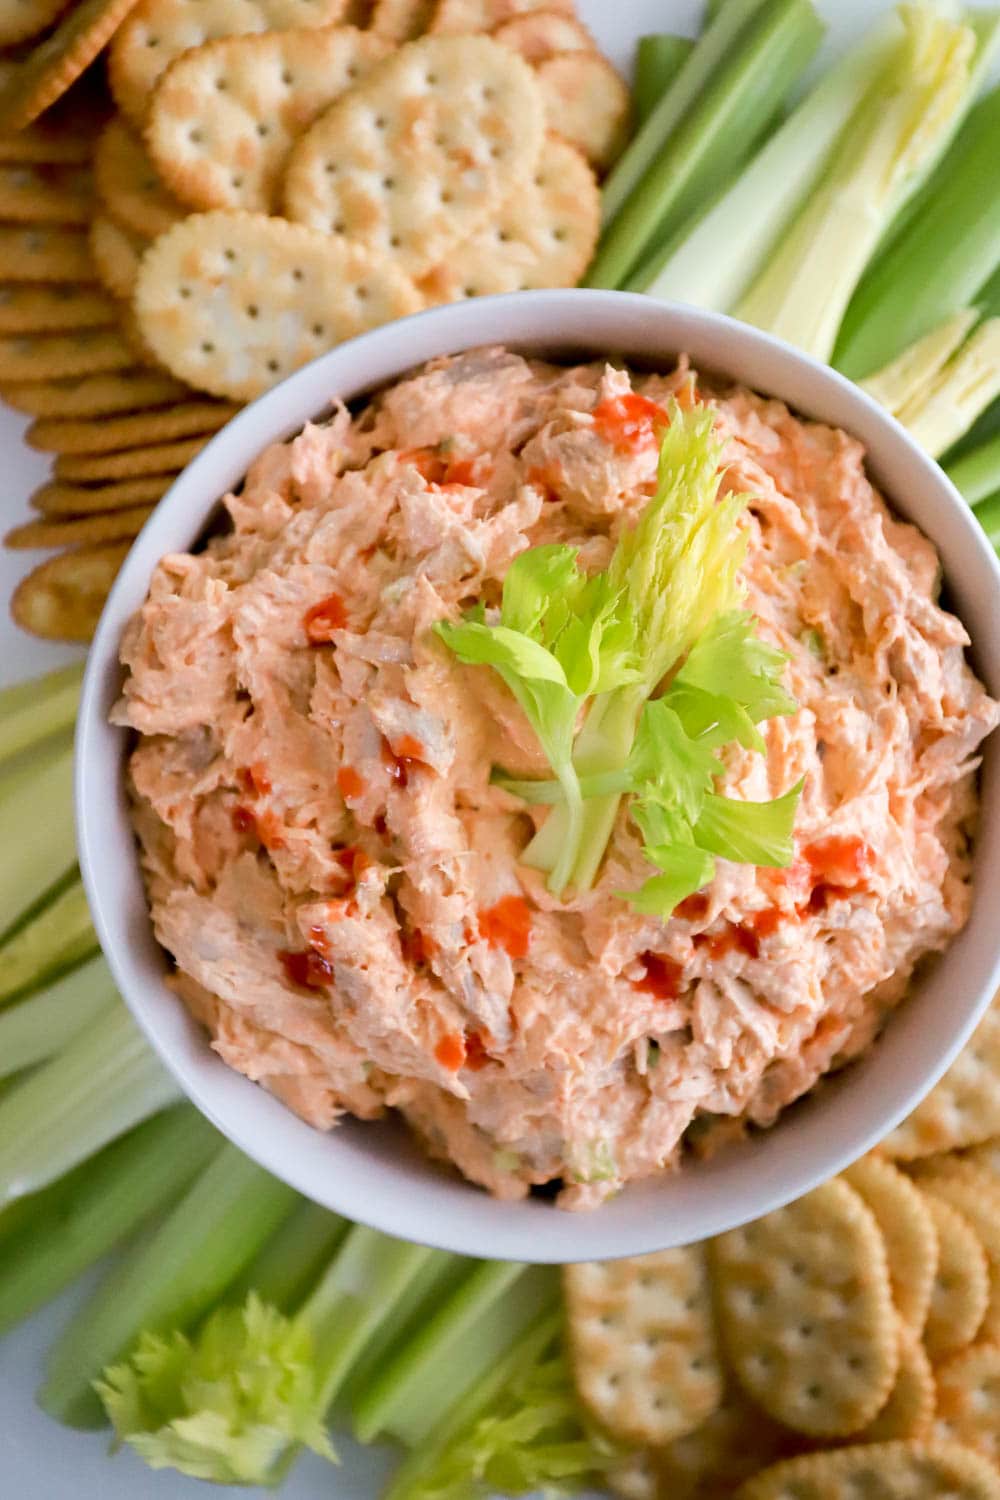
point(711, 267)
point(34, 1029)
point(105, 1081)
point(658, 61)
point(910, 375)
point(718, 135)
point(454, 1350)
point(976, 475)
point(940, 262)
point(988, 516)
point(168, 1280)
point(36, 830)
point(73, 1222)
point(292, 1261)
point(963, 389)
point(32, 711)
point(58, 937)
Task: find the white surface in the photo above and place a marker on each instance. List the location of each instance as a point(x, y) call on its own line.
point(38, 1460)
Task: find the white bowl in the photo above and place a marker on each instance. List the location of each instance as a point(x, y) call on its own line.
point(374, 1172)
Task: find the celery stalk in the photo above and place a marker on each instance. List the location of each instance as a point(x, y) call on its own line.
point(711, 267)
point(802, 293)
point(56, 938)
point(105, 1081)
point(988, 515)
point(715, 138)
point(912, 373)
point(32, 711)
point(37, 835)
point(939, 263)
point(658, 61)
point(964, 388)
point(976, 475)
point(169, 1280)
point(293, 1259)
point(74, 1222)
point(453, 1351)
point(40, 1026)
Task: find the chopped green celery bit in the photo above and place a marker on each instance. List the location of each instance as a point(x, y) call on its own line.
point(658, 61)
point(976, 474)
point(911, 374)
point(235, 1403)
point(59, 936)
point(987, 513)
point(453, 1350)
point(940, 262)
point(963, 389)
point(30, 712)
point(33, 1029)
point(56, 1234)
point(717, 135)
point(167, 1281)
point(36, 830)
point(105, 1081)
point(803, 292)
point(709, 266)
point(291, 1262)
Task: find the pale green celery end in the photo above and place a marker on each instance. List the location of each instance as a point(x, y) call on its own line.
point(78, 1219)
point(604, 745)
point(30, 712)
point(963, 390)
point(105, 1081)
point(167, 1281)
point(455, 1350)
point(37, 832)
point(34, 1029)
point(58, 937)
point(912, 373)
point(293, 1259)
point(987, 513)
point(658, 61)
point(976, 475)
point(701, 68)
point(711, 270)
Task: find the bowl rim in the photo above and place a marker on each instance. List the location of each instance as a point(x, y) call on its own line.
point(422, 1204)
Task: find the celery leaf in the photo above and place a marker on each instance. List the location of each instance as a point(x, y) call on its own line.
point(756, 833)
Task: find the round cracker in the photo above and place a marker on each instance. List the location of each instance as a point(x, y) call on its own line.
point(129, 185)
point(57, 356)
point(975, 1195)
point(961, 1290)
point(43, 252)
point(98, 499)
point(907, 1229)
point(225, 116)
point(83, 531)
point(57, 62)
point(158, 458)
point(454, 16)
point(160, 30)
point(634, 1477)
point(21, 19)
point(53, 307)
point(909, 1412)
point(116, 253)
point(233, 303)
point(45, 194)
point(94, 395)
point(587, 101)
point(806, 1313)
point(732, 1444)
point(422, 152)
point(963, 1108)
point(105, 435)
point(62, 599)
point(543, 236)
point(968, 1399)
point(401, 21)
point(879, 1471)
point(543, 33)
point(985, 1156)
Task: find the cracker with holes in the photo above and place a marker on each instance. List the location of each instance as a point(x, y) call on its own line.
point(588, 102)
point(225, 116)
point(879, 1471)
point(806, 1314)
point(232, 303)
point(61, 600)
point(93, 395)
point(42, 252)
point(54, 65)
point(454, 16)
point(53, 356)
point(634, 1478)
point(98, 499)
point(128, 184)
point(81, 531)
point(160, 30)
point(21, 19)
point(961, 1289)
point(128, 463)
point(543, 236)
point(975, 1195)
point(401, 20)
point(963, 1108)
point(732, 1444)
point(422, 153)
point(39, 193)
point(106, 434)
point(116, 253)
point(968, 1399)
point(642, 1343)
point(907, 1229)
point(909, 1411)
point(543, 33)
point(55, 307)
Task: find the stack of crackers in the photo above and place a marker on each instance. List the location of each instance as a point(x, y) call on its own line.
point(245, 184)
point(847, 1345)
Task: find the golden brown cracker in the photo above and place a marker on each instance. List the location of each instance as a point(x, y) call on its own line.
point(961, 1290)
point(40, 193)
point(642, 1343)
point(116, 254)
point(909, 1411)
point(587, 101)
point(98, 499)
point(225, 116)
point(44, 252)
point(22, 19)
point(732, 1444)
point(963, 1108)
point(985, 1156)
point(401, 20)
point(232, 303)
point(968, 1399)
point(973, 1194)
point(543, 33)
point(55, 64)
point(108, 434)
point(806, 1313)
point(907, 1229)
point(421, 153)
point(62, 599)
point(879, 1471)
point(83, 531)
point(57, 356)
point(157, 458)
point(160, 30)
point(452, 17)
point(94, 395)
point(53, 306)
point(129, 186)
